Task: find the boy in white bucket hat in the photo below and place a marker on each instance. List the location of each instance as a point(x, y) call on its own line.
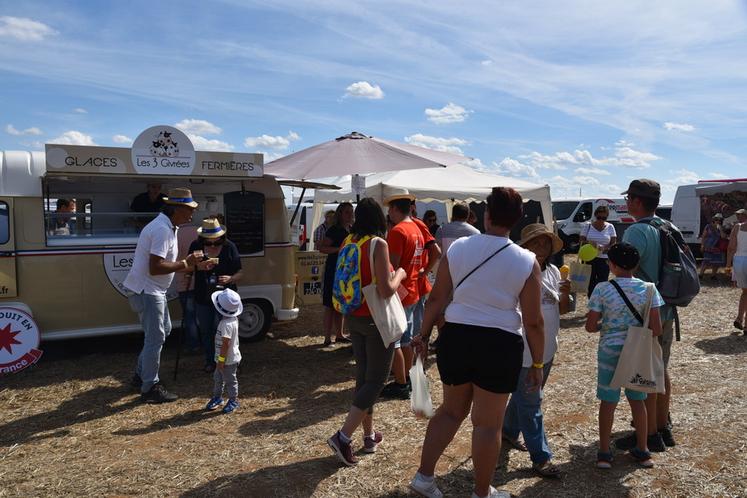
point(227, 355)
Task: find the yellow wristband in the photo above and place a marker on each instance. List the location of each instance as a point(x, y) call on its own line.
point(221, 359)
point(538, 365)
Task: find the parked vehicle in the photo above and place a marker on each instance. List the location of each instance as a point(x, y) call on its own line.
point(572, 216)
point(69, 278)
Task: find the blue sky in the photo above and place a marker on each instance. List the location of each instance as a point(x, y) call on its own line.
point(583, 96)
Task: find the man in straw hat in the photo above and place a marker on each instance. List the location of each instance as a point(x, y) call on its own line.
point(524, 410)
point(149, 278)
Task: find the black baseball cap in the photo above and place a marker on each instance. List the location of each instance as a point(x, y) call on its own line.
point(624, 255)
point(644, 187)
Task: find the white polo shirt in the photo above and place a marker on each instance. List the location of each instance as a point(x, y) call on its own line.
point(157, 238)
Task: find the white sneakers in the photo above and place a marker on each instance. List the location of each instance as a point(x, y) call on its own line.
point(495, 493)
point(425, 487)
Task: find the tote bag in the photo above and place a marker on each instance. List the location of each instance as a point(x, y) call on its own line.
point(579, 276)
point(640, 366)
point(387, 312)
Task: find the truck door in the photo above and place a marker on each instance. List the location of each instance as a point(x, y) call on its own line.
point(8, 286)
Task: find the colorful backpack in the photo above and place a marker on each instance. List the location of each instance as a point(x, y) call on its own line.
point(347, 288)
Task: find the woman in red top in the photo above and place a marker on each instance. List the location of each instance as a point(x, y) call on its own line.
point(372, 359)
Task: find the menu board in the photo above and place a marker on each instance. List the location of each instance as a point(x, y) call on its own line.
point(245, 220)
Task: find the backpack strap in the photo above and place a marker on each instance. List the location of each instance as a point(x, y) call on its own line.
point(483, 262)
point(627, 301)
point(371, 246)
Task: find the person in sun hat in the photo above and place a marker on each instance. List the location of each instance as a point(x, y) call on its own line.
point(524, 410)
point(228, 305)
point(150, 276)
point(224, 274)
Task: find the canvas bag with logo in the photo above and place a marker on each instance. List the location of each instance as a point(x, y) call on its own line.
point(640, 366)
point(579, 276)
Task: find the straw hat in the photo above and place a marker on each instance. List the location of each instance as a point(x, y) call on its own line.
point(535, 230)
point(211, 229)
point(741, 211)
point(180, 197)
point(227, 302)
point(396, 197)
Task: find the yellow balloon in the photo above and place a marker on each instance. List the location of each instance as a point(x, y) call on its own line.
point(587, 252)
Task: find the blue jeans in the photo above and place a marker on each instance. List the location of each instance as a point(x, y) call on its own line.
point(207, 319)
point(524, 414)
point(156, 322)
point(189, 319)
point(406, 338)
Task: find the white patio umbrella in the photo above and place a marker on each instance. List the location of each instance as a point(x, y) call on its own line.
point(359, 154)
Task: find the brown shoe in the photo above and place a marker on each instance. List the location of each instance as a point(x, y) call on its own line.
point(343, 451)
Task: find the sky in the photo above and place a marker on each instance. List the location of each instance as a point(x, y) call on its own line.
point(581, 95)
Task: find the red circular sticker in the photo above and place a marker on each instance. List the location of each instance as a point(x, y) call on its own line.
point(19, 340)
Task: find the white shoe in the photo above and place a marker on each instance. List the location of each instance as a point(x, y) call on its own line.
point(494, 493)
point(425, 488)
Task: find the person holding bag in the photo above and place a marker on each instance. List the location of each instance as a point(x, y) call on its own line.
point(619, 304)
point(496, 288)
point(373, 358)
point(601, 235)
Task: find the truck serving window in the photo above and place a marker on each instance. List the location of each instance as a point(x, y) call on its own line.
point(4, 223)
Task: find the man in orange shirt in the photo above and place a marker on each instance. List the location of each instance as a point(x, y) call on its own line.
point(406, 247)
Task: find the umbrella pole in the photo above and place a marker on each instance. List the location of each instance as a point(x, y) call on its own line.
point(298, 206)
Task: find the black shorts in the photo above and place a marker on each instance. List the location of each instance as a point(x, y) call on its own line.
point(489, 358)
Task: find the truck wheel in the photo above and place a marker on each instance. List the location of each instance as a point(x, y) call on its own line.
point(255, 321)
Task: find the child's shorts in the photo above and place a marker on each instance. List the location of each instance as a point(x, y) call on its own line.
point(607, 357)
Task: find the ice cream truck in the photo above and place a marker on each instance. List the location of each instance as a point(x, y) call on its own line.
point(68, 234)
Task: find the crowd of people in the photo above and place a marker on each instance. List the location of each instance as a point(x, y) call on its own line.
point(495, 304)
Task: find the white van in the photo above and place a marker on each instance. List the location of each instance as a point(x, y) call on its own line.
point(70, 279)
point(573, 214)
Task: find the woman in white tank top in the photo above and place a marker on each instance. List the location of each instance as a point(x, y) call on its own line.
point(492, 289)
point(737, 260)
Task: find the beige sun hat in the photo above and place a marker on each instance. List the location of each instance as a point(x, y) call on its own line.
point(180, 197)
point(397, 197)
point(535, 230)
point(211, 229)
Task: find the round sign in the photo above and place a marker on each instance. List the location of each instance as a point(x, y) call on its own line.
point(19, 340)
point(117, 266)
point(163, 150)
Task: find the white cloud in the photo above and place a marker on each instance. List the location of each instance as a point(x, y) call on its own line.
point(198, 127)
point(272, 142)
point(121, 139)
point(717, 176)
point(512, 167)
point(450, 113)
point(73, 137)
point(202, 143)
point(592, 171)
point(11, 130)
point(24, 29)
point(452, 144)
point(628, 157)
point(364, 89)
point(486, 63)
point(270, 155)
point(683, 177)
point(678, 127)
point(80, 110)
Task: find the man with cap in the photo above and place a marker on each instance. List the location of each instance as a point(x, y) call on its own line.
point(406, 245)
point(152, 271)
point(642, 199)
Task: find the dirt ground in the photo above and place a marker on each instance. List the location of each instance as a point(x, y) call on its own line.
point(72, 426)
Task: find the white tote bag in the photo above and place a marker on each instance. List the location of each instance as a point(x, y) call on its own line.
point(388, 313)
point(420, 399)
point(640, 366)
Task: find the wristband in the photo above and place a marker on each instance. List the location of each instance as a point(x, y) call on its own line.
point(538, 365)
point(221, 359)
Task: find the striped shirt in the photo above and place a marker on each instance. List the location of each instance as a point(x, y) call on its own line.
point(449, 232)
point(600, 237)
point(319, 233)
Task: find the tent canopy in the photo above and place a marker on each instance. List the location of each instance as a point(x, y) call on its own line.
point(454, 183)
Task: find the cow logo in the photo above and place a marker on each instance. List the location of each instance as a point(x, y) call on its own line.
point(163, 150)
point(19, 340)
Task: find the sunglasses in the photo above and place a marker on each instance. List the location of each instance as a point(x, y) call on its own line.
point(213, 243)
point(603, 218)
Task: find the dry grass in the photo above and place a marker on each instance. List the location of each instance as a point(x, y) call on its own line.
point(71, 426)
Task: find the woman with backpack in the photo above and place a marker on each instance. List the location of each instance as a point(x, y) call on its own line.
point(480, 348)
point(373, 359)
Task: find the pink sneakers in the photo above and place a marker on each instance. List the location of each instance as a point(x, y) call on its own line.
point(342, 450)
point(371, 442)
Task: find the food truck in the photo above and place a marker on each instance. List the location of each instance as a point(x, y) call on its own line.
point(66, 267)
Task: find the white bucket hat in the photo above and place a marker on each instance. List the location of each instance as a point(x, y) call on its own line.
point(227, 302)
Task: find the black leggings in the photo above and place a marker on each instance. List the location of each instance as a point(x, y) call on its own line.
point(600, 272)
point(373, 361)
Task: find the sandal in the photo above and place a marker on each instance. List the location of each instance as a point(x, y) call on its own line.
point(642, 457)
point(738, 325)
point(327, 342)
point(547, 469)
point(514, 443)
point(343, 339)
point(604, 460)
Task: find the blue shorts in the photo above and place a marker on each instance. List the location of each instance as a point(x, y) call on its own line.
point(607, 357)
point(406, 338)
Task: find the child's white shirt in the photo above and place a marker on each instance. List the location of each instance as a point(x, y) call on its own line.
point(228, 327)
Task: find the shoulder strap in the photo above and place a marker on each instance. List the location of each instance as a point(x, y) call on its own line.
point(627, 301)
point(478, 266)
point(371, 246)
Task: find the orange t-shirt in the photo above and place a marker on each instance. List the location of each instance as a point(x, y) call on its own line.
point(406, 240)
point(424, 285)
point(366, 276)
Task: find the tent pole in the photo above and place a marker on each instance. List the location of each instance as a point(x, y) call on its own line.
point(298, 206)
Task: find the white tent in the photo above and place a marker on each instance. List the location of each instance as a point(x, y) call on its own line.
point(454, 183)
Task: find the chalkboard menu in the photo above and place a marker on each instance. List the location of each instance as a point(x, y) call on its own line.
point(245, 220)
